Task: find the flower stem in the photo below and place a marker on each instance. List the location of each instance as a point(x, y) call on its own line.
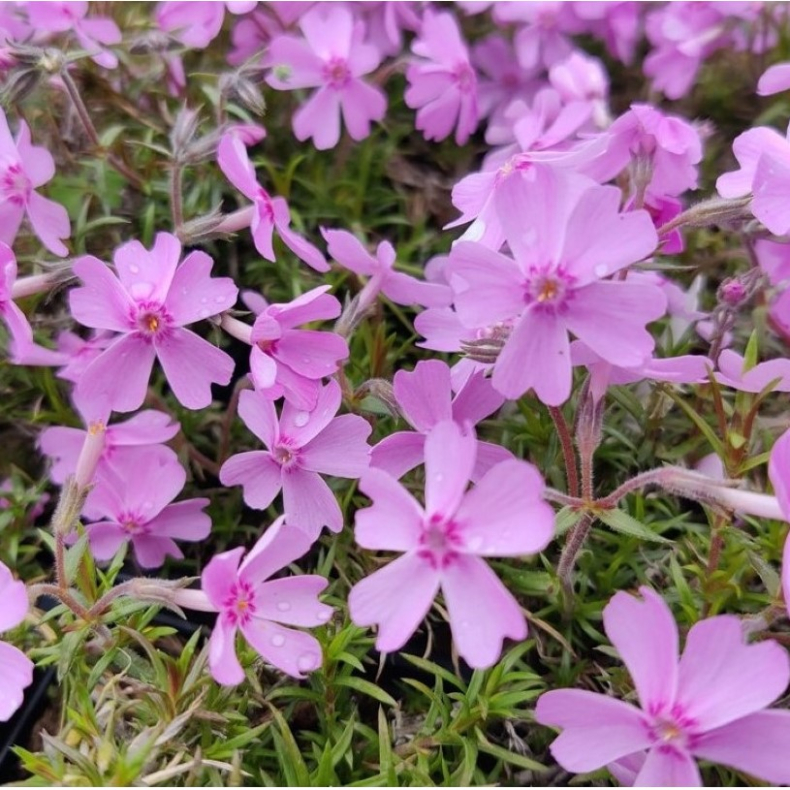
point(568, 453)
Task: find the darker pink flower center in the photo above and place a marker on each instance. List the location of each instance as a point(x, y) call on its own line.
point(239, 606)
point(264, 205)
point(672, 729)
point(152, 319)
point(133, 524)
point(464, 77)
point(548, 288)
point(336, 72)
point(286, 455)
point(15, 185)
point(439, 542)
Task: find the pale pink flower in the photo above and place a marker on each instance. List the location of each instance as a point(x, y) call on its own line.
point(332, 57)
point(247, 599)
point(77, 352)
point(732, 373)
point(133, 500)
point(774, 260)
point(300, 447)
point(267, 214)
point(709, 704)
point(286, 361)
point(442, 83)
point(556, 284)
point(15, 666)
point(425, 397)
point(197, 24)
point(254, 31)
point(148, 304)
point(444, 545)
point(23, 168)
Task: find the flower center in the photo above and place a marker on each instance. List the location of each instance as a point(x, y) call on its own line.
point(15, 185)
point(285, 455)
point(336, 72)
point(264, 205)
point(439, 542)
point(239, 606)
point(152, 319)
point(133, 524)
point(464, 77)
point(548, 288)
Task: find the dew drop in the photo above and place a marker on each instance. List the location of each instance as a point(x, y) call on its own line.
point(203, 300)
point(306, 662)
point(475, 544)
point(141, 290)
point(134, 268)
point(203, 313)
point(601, 270)
point(301, 418)
point(219, 299)
point(323, 615)
point(284, 606)
point(147, 505)
point(438, 478)
point(278, 640)
point(184, 291)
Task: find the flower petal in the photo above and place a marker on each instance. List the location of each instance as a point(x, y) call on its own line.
point(394, 521)
point(293, 601)
point(259, 475)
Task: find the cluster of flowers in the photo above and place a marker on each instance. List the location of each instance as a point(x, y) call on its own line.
point(544, 279)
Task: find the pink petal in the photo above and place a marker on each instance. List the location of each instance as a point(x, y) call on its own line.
point(148, 274)
point(106, 538)
point(748, 148)
point(151, 551)
point(50, 221)
point(297, 244)
point(300, 393)
point(449, 460)
point(505, 515)
point(610, 318)
point(259, 415)
point(328, 30)
point(755, 744)
point(341, 449)
point(194, 294)
point(293, 601)
point(319, 118)
point(220, 575)
point(488, 456)
point(15, 600)
point(407, 290)
point(303, 65)
point(399, 453)
point(311, 353)
point(183, 520)
point(192, 365)
point(721, 678)
point(119, 376)
point(423, 394)
point(394, 521)
point(536, 356)
point(277, 548)
point(308, 503)
point(37, 162)
point(597, 729)
point(774, 79)
point(476, 400)
point(262, 228)
point(102, 302)
point(349, 252)
point(482, 612)
point(146, 427)
point(396, 598)
point(11, 216)
point(263, 372)
point(259, 475)
point(362, 103)
point(771, 193)
point(234, 162)
point(668, 767)
point(292, 652)
point(302, 427)
point(17, 672)
point(314, 305)
point(646, 637)
point(222, 659)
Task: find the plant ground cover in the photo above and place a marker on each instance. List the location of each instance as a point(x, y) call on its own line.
point(394, 394)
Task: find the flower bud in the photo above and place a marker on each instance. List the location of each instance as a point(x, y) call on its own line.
point(90, 455)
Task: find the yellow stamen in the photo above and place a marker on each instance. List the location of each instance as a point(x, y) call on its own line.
point(153, 323)
point(548, 291)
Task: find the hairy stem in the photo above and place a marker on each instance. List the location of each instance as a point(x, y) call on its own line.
point(568, 453)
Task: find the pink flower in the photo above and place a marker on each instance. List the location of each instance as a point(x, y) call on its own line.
point(731, 373)
point(709, 704)
point(16, 667)
point(251, 34)
point(78, 353)
point(266, 213)
point(400, 288)
point(23, 168)
point(133, 497)
point(332, 57)
point(779, 475)
point(290, 362)
point(774, 80)
point(442, 86)
point(444, 544)
point(248, 600)
point(197, 24)
point(299, 447)
point(425, 397)
point(555, 285)
point(91, 32)
point(149, 306)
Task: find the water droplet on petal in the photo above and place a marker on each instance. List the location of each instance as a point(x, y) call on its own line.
point(147, 505)
point(284, 606)
point(438, 478)
point(184, 291)
point(278, 640)
point(134, 269)
point(203, 300)
point(601, 270)
point(219, 299)
point(203, 313)
point(323, 615)
point(475, 544)
point(307, 661)
point(301, 418)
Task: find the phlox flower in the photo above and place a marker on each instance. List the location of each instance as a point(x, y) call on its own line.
point(332, 57)
point(444, 545)
point(400, 288)
point(617, 24)
point(197, 24)
point(149, 303)
point(290, 362)
point(267, 214)
point(442, 83)
point(132, 499)
point(247, 599)
point(300, 447)
point(22, 349)
point(563, 252)
point(385, 23)
point(78, 352)
point(425, 397)
point(253, 31)
point(23, 168)
point(709, 704)
point(732, 373)
point(774, 260)
point(15, 666)
point(92, 33)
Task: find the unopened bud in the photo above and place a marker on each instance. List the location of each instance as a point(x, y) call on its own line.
point(715, 211)
point(381, 390)
point(91, 453)
point(589, 421)
point(733, 292)
point(183, 131)
point(202, 228)
point(241, 86)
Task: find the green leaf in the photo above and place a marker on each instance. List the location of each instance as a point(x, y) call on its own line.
point(622, 522)
point(713, 440)
point(366, 687)
point(73, 558)
point(507, 756)
point(566, 518)
point(288, 752)
point(386, 763)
